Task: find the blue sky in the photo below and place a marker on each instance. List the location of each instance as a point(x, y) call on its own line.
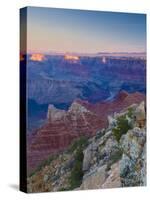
point(62, 30)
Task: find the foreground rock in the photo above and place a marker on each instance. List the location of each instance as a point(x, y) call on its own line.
point(122, 163)
point(112, 158)
point(133, 162)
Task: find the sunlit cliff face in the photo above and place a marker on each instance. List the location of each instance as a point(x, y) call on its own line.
point(37, 57)
point(71, 58)
point(104, 60)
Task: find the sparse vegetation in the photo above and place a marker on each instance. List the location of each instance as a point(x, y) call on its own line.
point(63, 189)
point(77, 173)
point(82, 142)
point(130, 112)
point(43, 164)
point(115, 156)
point(122, 127)
point(76, 176)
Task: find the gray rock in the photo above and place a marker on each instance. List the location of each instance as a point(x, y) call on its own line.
point(126, 165)
point(57, 171)
point(87, 158)
point(132, 143)
point(143, 169)
point(99, 134)
point(55, 177)
point(140, 114)
point(95, 179)
point(113, 180)
point(111, 121)
point(133, 162)
point(45, 178)
point(110, 145)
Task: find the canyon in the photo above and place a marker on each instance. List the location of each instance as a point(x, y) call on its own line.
point(94, 79)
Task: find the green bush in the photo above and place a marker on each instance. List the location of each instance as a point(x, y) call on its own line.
point(81, 142)
point(130, 112)
point(77, 173)
point(63, 189)
point(121, 128)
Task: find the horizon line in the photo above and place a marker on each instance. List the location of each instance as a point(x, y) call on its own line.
point(86, 53)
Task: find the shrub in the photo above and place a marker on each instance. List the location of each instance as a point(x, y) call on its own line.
point(63, 189)
point(43, 164)
point(77, 173)
point(121, 128)
point(130, 112)
point(81, 142)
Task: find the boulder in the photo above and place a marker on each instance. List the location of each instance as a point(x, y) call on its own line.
point(87, 158)
point(110, 145)
point(140, 115)
point(132, 143)
point(133, 162)
point(95, 179)
point(113, 180)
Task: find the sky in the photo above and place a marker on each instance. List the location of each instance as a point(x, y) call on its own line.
point(64, 30)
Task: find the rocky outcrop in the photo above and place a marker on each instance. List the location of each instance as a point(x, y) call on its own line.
point(125, 162)
point(55, 114)
point(102, 161)
point(140, 115)
point(133, 162)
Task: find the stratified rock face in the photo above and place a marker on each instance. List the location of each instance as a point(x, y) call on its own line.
point(122, 101)
point(63, 126)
